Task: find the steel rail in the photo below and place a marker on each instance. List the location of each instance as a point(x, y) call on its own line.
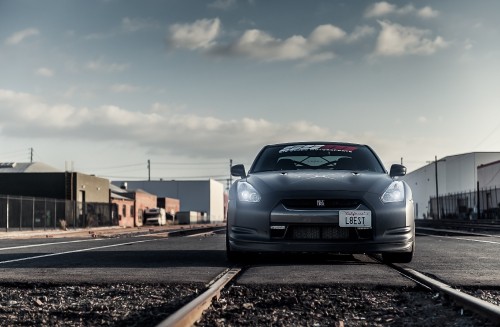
point(192, 312)
point(483, 308)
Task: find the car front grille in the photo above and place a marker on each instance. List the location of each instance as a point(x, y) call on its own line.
point(303, 204)
point(320, 233)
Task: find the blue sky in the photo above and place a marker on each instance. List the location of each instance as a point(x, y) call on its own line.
point(105, 85)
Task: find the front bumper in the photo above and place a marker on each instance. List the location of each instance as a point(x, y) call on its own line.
point(265, 228)
point(404, 244)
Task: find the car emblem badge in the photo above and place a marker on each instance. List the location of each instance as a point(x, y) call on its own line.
point(320, 203)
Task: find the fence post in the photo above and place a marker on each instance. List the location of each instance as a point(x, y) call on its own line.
point(7, 220)
point(478, 202)
point(496, 201)
point(55, 214)
point(73, 206)
point(44, 214)
point(33, 214)
point(21, 214)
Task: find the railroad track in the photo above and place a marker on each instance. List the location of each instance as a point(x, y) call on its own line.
point(235, 295)
point(193, 311)
point(481, 307)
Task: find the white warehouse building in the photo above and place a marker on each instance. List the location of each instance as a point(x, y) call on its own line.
point(206, 196)
point(488, 175)
point(457, 174)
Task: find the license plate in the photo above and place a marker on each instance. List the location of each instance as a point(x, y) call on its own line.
point(355, 218)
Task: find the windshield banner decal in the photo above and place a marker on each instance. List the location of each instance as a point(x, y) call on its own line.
point(318, 147)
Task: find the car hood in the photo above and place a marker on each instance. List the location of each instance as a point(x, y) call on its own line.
point(320, 181)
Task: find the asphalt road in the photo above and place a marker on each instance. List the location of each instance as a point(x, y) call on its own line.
point(467, 261)
point(459, 260)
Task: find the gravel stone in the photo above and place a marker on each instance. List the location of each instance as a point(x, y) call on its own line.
point(492, 296)
point(238, 305)
point(306, 305)
point(92, 305)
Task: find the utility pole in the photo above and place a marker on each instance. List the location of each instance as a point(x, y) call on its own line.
point(149, 170)
point(437, 191)
point(31, 155)
point(230, 176)
point(478, 202)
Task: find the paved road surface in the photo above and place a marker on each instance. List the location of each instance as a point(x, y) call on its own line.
point(156, 259)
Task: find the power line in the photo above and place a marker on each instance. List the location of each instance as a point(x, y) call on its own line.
point(13, 153)
point(488, 136)
point(18, 155)
point(190, 163)
point(183, 164)
point(494, 176)
point(116, 167)
point(216, 177)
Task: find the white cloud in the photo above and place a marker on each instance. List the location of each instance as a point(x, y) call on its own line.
point(427, 12)
point(380, 9)
point(174, 131)
point(164, 130)
point(100, 36)
point(257, 44)
point(317, 58)
point(398, 40)
point(19, 36)
point(124, 88)
point(45, 72)
point(422, 119)
point(137, 24)
point(222, 4)
point(468, 44)
point(360, 32)
point(260, 45)
point(199, 35)
point(384, 8)
point(325, 35)
point(101, 66)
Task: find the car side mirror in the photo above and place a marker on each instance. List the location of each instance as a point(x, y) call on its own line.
point(238, 171)
point(397, 170)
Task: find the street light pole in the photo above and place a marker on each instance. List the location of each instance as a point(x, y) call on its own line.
point(149, 170)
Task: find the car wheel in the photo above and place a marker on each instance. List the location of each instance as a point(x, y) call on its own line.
point(398, 257)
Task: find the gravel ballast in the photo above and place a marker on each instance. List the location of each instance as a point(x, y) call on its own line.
point(308, 305)
point(248, 305)
point(92, 305)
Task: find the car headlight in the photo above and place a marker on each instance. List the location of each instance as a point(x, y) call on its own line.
point(247, 193)
point(394, 193)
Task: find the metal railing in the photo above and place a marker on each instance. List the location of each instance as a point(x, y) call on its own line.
point(482, 204)
point(29, 213)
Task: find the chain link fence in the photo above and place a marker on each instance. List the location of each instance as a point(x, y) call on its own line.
point(28, 213)
point(482, 204)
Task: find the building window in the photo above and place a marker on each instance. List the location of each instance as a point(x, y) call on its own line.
point(124, 211)
point(132, 209)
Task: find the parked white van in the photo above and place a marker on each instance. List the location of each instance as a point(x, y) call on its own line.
point(155, 216)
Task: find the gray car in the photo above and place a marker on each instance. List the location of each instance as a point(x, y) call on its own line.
point(320, 197)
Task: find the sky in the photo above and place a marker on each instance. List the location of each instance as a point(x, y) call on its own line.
point(103, 86)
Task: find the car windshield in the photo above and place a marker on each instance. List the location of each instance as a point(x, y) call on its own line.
point(332, 156)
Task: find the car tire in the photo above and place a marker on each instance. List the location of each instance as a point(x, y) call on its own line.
point(398, 257)
point(231, 255)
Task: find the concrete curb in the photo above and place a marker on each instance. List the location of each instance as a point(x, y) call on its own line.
point(107, 232)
